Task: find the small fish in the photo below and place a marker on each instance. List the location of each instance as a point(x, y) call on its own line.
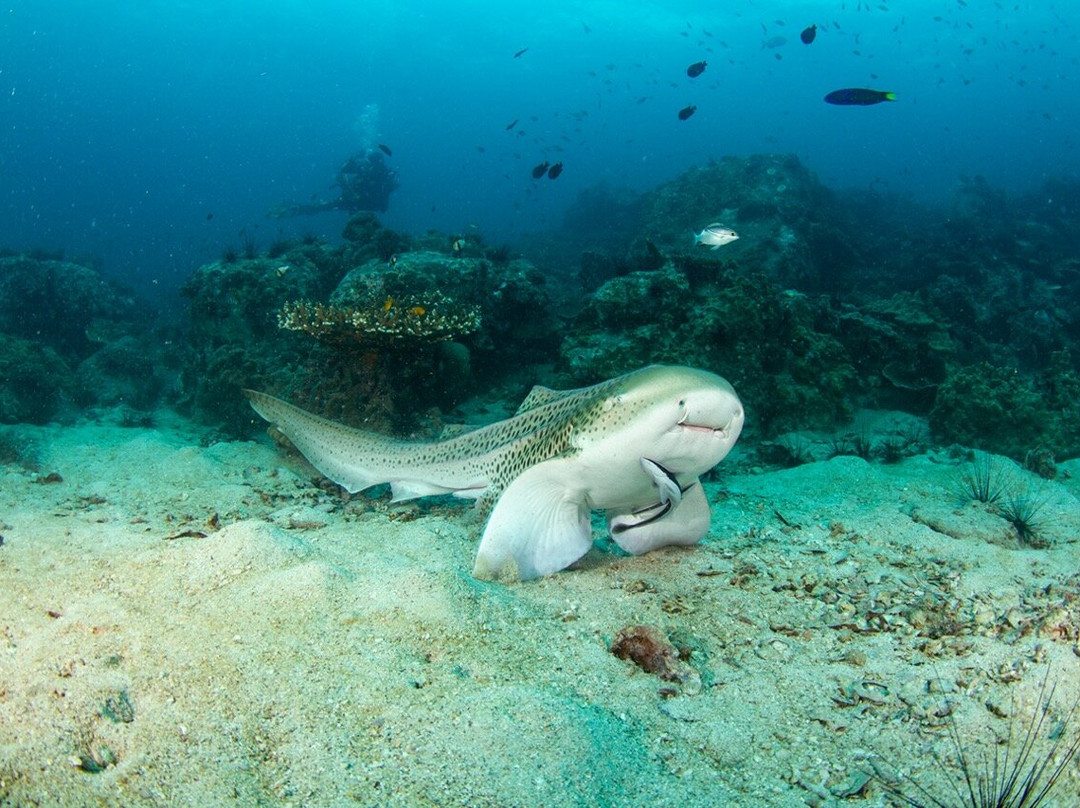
point(386, 150)
point(715, 236)
point(457, 245)
point(554, 171)
point(855, 96)
point(775, 42)
point(696, 69)
point(393, 260)
point(808, 34)
point(417, 311)
point(516, 55)
point(540, 170)
point(209, 216)
point(512, 124)
point(389, 304)
point(686, 112)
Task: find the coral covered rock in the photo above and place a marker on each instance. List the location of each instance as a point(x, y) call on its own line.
point(58, 303)
point(122, 372)
point(1001, 410)
point(373, 346)
point(511, 299)
point(789, 373)
point(233, 337)
point(902, 346)
point(790, 226)
point(34, 381)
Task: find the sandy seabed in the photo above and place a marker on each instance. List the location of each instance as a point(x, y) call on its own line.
point(193, 626)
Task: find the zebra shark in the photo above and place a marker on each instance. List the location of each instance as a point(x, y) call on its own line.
point(633, 446)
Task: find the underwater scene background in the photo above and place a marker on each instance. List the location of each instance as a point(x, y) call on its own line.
point(401, 216)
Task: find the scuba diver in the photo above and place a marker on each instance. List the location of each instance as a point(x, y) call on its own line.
point(364, 182)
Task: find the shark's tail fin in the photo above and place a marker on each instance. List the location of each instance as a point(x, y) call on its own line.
point(357, 459)
point(347, 456)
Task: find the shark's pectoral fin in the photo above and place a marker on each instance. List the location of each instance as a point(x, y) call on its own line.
point(663, 523)
point(538, 526)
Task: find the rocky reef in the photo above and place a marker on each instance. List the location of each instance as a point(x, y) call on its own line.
point(832, 301)
point(828, 302)
point(70, 338)
point(373, 331)
point(791, 228)
point(790, 372)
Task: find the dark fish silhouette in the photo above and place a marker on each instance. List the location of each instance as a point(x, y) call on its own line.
point(540, 170)
point(386, 150)
point(808, 34)
point(554, 171)
point(696, 69)
point(512, 124)
point(516, 55)
point(855, 96)
point(686, 112)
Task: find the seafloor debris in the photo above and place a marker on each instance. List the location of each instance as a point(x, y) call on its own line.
point(94, 762)
point(118, 708)
point(649, 649)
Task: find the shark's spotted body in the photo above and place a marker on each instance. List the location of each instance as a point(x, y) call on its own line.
point(632, 446)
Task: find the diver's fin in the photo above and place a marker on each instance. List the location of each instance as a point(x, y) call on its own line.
point(538, 526)
point(663, 523)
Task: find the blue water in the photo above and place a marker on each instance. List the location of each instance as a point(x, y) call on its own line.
point(152, 134)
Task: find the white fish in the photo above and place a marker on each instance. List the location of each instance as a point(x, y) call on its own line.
point(633, 446)
point(715, 236)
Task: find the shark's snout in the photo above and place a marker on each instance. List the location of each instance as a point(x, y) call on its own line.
point(717, 411)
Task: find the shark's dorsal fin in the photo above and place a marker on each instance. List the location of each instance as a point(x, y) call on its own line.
point(455, 430)
point(540, 395)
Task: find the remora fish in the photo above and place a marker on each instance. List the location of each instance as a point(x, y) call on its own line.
point(633, 446)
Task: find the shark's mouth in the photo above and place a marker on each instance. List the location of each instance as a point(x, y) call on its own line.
point(706, 429)
point(703, 428)
point(721, 430)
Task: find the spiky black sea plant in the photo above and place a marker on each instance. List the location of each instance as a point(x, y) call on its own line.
point(249, 244)
point(862, 445)
point(985, 479)
point(788, 452)
point(1019, 777)
point(841, 446)
point(893, 449)
point(1021, 509)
